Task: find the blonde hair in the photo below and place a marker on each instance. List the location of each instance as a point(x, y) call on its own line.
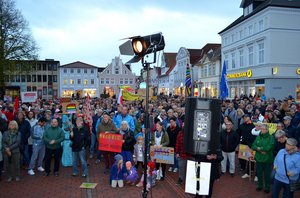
point(13, 122)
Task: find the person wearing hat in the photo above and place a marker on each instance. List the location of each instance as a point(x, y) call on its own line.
point(287, 168)
point(117, 172)
point(290, 130)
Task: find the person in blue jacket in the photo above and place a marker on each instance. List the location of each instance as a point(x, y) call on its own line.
point(124, 116)
point(117, 172)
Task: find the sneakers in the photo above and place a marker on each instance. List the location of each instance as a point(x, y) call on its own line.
point(74, 174)
point(18, 179)
point(31, 172)
point(56, 174)
point(9, 179)
point(91, 156)
point(255, 179)
point(41, 169)
point(83, 175)
point(245, 176)
point(170, 169)
point(97, 161)
point(175, 170)
point(140, 184)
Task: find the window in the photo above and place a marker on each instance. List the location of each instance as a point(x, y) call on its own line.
point(202, 71)
point(107, 71)
point(241, 34)
point(54, 67)
point(49, 67)
point(126, 81)
point(33, 67)
point(213, 69)
point(102, 81)
point(54, 78)
point(78, 71)
point(44, 67)
point(233, 60)
point(205, 71)
point(112, 81)
point(39, 67)
point(18, 78)
point(44, 78)
point(44, 90)
point(260, 25)
point(34, 88)
point(92, 81)
point(261, 53)
point(85, 82)
point(72, 71)
point(28, 78)
point(241, 52)
point(28, 88)
point(209, 70)
point(33, 78)
point(226, 61)
point(65, 70)
point(92, 71)
point(50, 78)
point(65, 82)
point(23, 78)
point(131, 81)
point(85, 71)
point(250, 50)
point(49, 91)
point(117, 71)
point(78, 81)
point(125, 72)
point(71, 82)
point(107, 81)
point(250, 29)
point(12, 78)
point(121, 81)
point(232, 38)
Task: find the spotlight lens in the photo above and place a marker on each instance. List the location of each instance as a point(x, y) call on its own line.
point(138, 46)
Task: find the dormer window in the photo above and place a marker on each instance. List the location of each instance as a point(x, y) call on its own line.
point(248, 10)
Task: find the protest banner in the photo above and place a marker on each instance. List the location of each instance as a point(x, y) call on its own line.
point(110, 142)
point(163, 155)
point(70, 107)
point(245, 152)
point(191, 178)
point(29, 96)
point(272, 127)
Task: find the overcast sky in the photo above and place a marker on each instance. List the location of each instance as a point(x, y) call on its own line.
point(90, 30)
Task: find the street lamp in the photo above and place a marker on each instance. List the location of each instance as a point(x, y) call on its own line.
point(139, 46)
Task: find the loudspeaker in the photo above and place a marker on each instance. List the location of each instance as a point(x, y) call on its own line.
point(202, 125)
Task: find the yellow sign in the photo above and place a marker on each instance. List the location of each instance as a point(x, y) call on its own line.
point(298, 71)
point(247, 73)
point(272, 127)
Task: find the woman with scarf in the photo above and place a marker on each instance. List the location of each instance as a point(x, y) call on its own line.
point(160, 138)
point(66, 159)
point(11, 145)
point(128, 142)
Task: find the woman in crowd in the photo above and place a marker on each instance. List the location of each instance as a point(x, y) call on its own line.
point(128, 142)
point(67, 149)
point(11, 143)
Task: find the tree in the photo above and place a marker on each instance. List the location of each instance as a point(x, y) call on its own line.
point(16, 41)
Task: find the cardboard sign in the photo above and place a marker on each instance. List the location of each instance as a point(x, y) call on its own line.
point(70, 107)
point(29, 96)
point(110, 142)
point(163, 155)
point(191, 177)
point(245, 152)
point(88, 185)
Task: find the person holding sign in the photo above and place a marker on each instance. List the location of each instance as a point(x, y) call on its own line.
point(160, 138)
point(107, 126)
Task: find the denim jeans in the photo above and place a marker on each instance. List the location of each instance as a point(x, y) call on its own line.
point(82, 156)
point(38, 154)
point(231, 157)
point(175, 165)
point(93, 144)
point(276, 188)
point(26, 156)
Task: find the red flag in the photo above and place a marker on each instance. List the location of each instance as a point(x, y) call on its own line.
point(120, 98)
point(88, 112)
point(16, 105)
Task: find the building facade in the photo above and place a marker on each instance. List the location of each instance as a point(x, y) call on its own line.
point(79, 79)
point(114, 75)
point(261, 47)
point(166, 79)
point(40, 76)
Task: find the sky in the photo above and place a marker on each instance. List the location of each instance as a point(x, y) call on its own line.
point(90, 31)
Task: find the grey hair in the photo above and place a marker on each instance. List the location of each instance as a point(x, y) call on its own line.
point(279, 134)
point(125, 122)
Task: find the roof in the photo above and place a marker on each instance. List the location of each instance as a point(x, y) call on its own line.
point(261, 5)
point(100, 69)
point(78, 64)
point(128, 66)
point(170, 58)
point(197, 54)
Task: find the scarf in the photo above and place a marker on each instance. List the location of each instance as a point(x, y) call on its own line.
point(158, 134)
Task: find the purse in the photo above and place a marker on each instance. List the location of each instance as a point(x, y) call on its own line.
point(294, 184)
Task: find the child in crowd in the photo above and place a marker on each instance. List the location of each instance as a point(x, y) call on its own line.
point(131, 175)
point(151, 176)
point(138, 152)
point(117, 172)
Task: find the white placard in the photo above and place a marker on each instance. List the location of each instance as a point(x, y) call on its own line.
point(29, 96)
point(191, 182)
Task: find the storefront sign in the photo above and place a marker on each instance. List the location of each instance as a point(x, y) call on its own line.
point(163, 155)
point(247, 73)
point(29, 96)
point(110, 142)
point(298, 71)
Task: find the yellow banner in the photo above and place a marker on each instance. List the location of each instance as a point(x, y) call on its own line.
point(130, 96)
point(272, 127)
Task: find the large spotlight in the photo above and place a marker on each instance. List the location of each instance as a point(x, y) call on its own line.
point(142, 45)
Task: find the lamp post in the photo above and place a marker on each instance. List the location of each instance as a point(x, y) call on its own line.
point(140, 46)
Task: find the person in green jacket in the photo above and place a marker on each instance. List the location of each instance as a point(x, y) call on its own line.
point(53, 137)
point(263, 145)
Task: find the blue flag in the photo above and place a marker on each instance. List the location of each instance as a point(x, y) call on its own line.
point(223, 83)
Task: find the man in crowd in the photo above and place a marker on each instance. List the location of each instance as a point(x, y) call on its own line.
point(124, 116)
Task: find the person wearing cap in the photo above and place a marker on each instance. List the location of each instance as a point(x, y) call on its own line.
point(290, 130)
point(263, 145)
point(287, 168)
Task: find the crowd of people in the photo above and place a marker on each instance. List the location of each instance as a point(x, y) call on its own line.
point(35, 132)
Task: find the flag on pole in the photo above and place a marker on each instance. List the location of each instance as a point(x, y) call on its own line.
point(188, 81)
point(120, 97)
point(88, 112)
point(16, 105)
point(223, 83)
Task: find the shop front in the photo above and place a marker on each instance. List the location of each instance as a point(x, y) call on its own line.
point(67, 93)
point(90, 92)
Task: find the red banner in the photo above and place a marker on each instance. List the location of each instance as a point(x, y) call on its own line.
point(110, 142)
